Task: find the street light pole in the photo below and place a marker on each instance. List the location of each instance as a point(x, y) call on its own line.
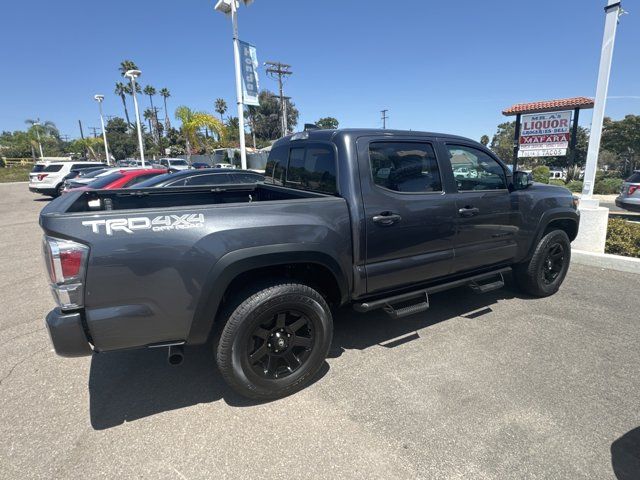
point(132, 75)
point(613, 11)
point(236, 59)
point(99, 99)
point(230, 7)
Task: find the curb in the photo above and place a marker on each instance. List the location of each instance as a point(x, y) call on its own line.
point(605, 260)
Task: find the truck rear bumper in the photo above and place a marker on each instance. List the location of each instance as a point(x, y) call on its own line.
point(67, 334)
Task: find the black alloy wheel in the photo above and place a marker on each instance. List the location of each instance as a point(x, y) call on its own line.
point(553, 263)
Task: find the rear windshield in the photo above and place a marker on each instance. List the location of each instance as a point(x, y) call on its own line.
point(305, 167)
point(106, 180)
point(635, 178)
point(52, 168)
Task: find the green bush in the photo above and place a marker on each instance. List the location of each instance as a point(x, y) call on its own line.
point(623, 238)
point(575, 186)
point(608, 186)
point(556, 181)
point(541, 174)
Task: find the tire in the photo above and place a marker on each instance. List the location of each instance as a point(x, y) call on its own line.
point(543, 274)
point(275, 340)
point(59, 190)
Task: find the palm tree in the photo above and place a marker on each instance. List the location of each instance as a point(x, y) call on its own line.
point(47, 128)
point(127, 65)
point(192, 122)
point(121, 91)
point(165, 93)
point(148, 116)
point(221, 107)
point(150, 92)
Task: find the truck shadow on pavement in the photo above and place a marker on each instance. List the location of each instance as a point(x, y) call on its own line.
point(126, 386)
point(625, 456)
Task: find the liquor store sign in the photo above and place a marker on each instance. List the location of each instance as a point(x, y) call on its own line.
point(545, 134)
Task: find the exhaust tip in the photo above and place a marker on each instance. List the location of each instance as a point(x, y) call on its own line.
point(176, 355)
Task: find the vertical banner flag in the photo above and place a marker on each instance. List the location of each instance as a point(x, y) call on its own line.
point(249, 70)
point(545, 134)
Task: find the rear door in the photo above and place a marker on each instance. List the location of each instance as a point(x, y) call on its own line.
point(488, 218)
point(409, 217)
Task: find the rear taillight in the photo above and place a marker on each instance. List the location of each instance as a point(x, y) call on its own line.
point(66, 263)
point(633, 189)
point(41, 176)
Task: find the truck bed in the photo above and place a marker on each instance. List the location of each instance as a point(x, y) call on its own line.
point(154, 253)
point(150, 198)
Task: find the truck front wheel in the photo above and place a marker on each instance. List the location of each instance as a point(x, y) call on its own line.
point(543, 274)
point(275, 340)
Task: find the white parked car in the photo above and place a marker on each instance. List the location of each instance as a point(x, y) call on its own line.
point(47, 178)
point(173, 164)
point(223, 165)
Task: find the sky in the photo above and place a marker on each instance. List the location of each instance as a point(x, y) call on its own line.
point(445, 66)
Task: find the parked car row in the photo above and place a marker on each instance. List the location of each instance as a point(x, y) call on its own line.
point(56, 178)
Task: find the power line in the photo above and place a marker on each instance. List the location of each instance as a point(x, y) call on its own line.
point(280, 70)
point(94, 129)
point(384, 118)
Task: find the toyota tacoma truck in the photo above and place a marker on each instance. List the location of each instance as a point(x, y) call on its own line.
point(367, 218)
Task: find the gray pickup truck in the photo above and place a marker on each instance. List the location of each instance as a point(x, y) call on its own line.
point(368, 218)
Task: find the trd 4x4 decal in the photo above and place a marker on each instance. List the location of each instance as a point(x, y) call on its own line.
point(162, 223)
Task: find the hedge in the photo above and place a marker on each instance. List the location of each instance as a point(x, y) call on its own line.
point(623, 238)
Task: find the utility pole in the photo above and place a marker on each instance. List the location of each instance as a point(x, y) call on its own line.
point(95, 131)
point(384, 118)
point(280, 70)
point(81, 132)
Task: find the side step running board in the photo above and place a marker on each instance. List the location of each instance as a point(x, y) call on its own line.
point(418, 300)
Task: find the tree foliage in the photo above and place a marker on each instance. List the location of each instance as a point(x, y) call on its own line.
point(484, 140)
point(622, 138)
point(502, 142)
point(267, 116)
point(327, 123)
point(192, 121)
point(221, 107)
point(122, 140)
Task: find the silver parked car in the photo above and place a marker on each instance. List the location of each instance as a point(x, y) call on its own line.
point(629, 197)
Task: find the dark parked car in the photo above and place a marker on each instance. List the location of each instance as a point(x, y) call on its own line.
point(629, 197)
point(199, 165)
point(202, 177)
point(375, 219)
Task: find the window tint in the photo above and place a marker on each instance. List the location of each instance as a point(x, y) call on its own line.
point(405, 166)
point(312, 168)
point(276, 166)
point(106, 180)
point(635, 178)
point(473, 169)
point(212, 179)
point(80, 166)
point(37, 168)
point(52, 168)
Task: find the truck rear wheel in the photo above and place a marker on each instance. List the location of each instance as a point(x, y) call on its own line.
point(275, 340)
point(543, 274)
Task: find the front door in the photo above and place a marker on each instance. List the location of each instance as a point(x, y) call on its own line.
point(488, 219)
point(409, 219)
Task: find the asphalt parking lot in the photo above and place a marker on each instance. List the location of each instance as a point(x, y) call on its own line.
point(481, 386)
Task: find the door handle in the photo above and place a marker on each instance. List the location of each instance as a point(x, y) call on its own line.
point(386, 218)
point(469, 211)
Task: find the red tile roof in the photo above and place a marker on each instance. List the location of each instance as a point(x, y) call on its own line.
point(549, 106)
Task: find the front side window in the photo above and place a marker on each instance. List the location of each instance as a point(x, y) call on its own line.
point(473, 169)
point(405, 166)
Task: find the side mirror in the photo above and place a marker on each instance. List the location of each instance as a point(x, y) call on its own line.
point(522, 180)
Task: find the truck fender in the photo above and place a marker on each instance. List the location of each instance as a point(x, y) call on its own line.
point(241, 261)
point(549, 216)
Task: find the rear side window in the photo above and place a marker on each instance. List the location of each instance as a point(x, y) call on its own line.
point(409, 167)
point(37, 168)
point(312, 168)
point(635, 178)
